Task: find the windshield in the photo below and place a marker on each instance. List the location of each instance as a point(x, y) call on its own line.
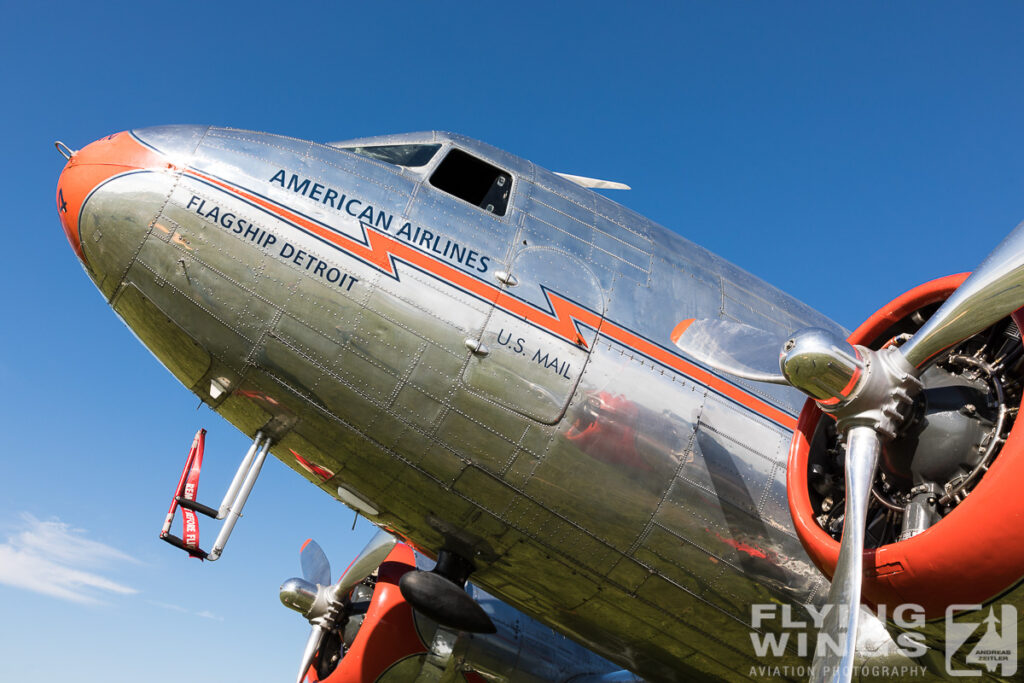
point(409, 156)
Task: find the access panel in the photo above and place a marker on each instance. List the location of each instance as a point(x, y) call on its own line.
point(536, 342)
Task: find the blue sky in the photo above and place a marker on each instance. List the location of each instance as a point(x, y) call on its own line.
point(844, 154)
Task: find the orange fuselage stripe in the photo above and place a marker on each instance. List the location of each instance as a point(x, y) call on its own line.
point(381, 249)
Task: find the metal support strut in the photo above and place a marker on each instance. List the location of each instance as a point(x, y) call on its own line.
point(230, 507)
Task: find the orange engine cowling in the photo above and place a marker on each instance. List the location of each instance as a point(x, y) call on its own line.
point(387, 642)
point(378, 637)
point(972, 554)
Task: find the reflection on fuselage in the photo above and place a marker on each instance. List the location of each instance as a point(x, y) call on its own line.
point(601, 482)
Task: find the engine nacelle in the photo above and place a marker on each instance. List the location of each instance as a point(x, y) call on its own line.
point(963, 546)
point(385, 636)
point(385, 640)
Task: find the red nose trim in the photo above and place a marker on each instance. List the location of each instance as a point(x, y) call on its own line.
point(91, 166)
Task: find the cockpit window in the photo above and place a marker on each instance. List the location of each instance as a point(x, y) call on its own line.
point(410, 156)
point(473, 180)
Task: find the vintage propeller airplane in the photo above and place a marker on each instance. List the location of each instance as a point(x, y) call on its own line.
point(584, 411)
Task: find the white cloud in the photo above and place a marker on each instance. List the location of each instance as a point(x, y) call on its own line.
point(205, 614)
point(53, 558)
point(167, 605)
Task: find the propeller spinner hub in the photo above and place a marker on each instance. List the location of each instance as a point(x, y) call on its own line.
point(299, 595)
point(822, 365)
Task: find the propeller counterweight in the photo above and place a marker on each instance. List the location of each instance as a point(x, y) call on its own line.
point(299, 595)
point(820, 364)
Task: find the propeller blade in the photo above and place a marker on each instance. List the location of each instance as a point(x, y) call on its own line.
point(315, 566)
point(835, 665)
point(371, 557)
point(993, 291)
point(445, 602)
point(732, 348)
point(316, 636)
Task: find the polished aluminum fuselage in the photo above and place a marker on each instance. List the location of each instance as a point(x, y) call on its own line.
point(520, 651)
point(600, 481)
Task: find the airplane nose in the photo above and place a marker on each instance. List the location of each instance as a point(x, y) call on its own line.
point(91, 167)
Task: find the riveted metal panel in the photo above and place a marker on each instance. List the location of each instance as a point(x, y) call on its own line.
point(182, 355)
point(533, 368)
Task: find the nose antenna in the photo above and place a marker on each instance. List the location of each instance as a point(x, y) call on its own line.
point(64, 150)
